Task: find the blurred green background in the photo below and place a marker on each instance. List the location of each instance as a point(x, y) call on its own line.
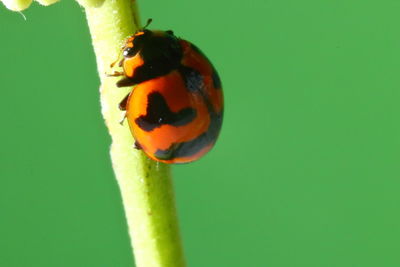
point(306, 172)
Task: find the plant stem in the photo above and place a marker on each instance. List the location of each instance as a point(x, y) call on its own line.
point(146, 186)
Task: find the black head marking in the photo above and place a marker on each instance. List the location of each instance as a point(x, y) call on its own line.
point(132, 47)
point(156, 47)
point(158, 113)
point(161, 54)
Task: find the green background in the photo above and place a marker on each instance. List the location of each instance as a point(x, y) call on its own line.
point(306, 171)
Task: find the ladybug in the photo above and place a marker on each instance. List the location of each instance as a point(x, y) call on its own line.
point(175, 108)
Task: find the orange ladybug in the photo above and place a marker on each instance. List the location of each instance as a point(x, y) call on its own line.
point(175, 108)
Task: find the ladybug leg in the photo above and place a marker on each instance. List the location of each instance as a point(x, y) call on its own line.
point(119, 56)
point(123, 118)
point(115, 62)
point(122, 106)
point(137, 146)
point(115, 74)
point(126, 81)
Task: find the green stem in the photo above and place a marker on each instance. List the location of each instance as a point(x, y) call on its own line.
point(146, 186)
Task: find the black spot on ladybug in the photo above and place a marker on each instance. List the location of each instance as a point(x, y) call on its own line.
point(192, 147)
point(158, 113)
point(195, 84)
point(215, 76)
point(216, 80)
point(184, 149)
point(192, 78)
point(148, 71)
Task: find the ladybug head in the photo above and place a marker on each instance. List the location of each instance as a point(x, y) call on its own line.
point(154, 47)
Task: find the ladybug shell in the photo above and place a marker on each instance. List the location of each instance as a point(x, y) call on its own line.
point(176, 116)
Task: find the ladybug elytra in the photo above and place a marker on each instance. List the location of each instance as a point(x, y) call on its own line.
point(175, 109)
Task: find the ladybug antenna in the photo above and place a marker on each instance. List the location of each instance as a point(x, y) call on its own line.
point(147, 24)
point(119, 56)
point(115, 62)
